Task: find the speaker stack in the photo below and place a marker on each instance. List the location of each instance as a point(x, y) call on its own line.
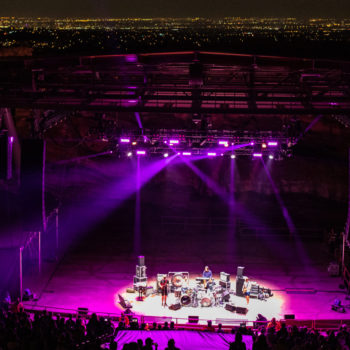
point(239, 281)
point(140, 279)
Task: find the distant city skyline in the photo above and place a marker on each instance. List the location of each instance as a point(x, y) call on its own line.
point(179, 8)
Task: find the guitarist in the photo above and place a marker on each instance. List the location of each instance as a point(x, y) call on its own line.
point(246, 289)
point(164, 288)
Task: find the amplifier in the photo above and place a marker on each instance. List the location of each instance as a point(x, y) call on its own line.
point(226, 285)
point(138, 279)
point(239, 286)
point(224, 277)
point(140, 271)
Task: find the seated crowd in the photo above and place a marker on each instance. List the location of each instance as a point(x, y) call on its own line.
point(43, 331)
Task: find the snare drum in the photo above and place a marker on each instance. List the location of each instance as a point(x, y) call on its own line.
point(185, 300)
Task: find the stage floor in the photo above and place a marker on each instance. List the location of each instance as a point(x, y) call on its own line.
point(94, 280)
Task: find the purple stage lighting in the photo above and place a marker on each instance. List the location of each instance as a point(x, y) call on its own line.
point(132, 101)
point(257, 155)
point(129, 154)
point(272, 143)
point(186, 153)
point(165, 155)
point(252, 143)
point(124, 140)
point(173, 142)
point(271, 156)
point(142, 153)
point(211, 154)
point(233, 156)
point(12, 139)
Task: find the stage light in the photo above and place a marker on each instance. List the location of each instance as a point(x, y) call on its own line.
point(165, 155)
point(263, 145)
point(132, 101)
point(257, 155)
point(12, 139)
point(174, 142)
point(129, 154)
point(272, 143)
point(186, 153)
point(271, 156)
point(233, 156)
point(124, 140)
point(223, 143)
point(252, 143)
point(141, 153)
point(134, 143)
point(211, 154)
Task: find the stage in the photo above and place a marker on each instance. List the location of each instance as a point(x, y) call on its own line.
point(93, 277)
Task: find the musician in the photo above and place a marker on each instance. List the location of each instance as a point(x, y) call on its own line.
point(208, 275)
point(164, 289)
point(246, 289)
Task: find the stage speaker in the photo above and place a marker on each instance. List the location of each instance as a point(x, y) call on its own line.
point(289, 317)
point(239, 286)
point(241, 310)
point(240, 271)
point(141, 260)
point(83, 311)
point(175, 306)
point(230, 307)
point(193, 319)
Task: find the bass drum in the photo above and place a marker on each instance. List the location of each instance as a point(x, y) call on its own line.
point(177, 280)
point(205, 302)
point(185, 300)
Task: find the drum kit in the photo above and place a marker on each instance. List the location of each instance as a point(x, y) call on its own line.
point(212, 295)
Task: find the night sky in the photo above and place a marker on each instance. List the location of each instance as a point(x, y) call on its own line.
point(176, 8)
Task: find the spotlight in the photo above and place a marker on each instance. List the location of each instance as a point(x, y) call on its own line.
point(129, 154)
point(142, 153)
point(165, 155)
point(174, 142)
point(186, 153)
point(134, 143)
point(211, 154)
point(272, 143)
point(257, 155)
point(270, 156)
point(233, 156)
point(263, 145)
point(124, 140)
point(223, 143)
point(252, 143)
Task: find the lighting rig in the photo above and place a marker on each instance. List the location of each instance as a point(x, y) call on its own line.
point(210, 143)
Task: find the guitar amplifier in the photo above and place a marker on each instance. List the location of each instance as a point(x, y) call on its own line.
point(224, 277)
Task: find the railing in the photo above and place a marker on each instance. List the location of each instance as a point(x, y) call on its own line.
point(183, 323)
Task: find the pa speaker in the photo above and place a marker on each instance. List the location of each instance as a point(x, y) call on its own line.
point(240, 271)
point(141, 260)
point(193, 319)
point(239, 286)
point(289, 317)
